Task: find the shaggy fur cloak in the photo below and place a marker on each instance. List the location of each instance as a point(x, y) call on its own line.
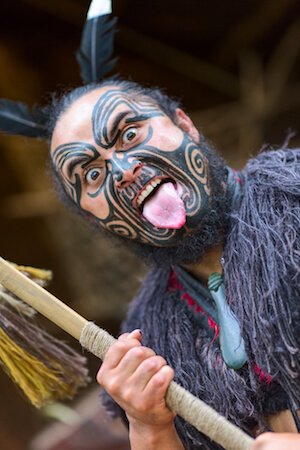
point(261, 264)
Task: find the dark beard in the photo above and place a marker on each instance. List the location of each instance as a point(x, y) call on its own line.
point(212, 229)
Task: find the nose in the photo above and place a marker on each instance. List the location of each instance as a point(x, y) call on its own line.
point(125, 174)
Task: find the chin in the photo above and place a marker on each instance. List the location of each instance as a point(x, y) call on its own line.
point(196, 237)
point(190, 246)
point(190, 243)
point(188, 249)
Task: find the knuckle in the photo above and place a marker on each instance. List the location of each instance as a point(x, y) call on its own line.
point(123, 336)
point(161, 360)
point(171, 371)
point(99, 377)
point(128, 340)
point(166, 374)
point(127, 396)
point(150, 352)
point(158, 382)
point(121, 346)
point(102, 374)
point(136, 352)
point(151, 363)
point(116, 349)
point(113, 386)
point(141, 406)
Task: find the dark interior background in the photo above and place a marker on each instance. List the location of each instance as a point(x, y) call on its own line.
point(235, 67)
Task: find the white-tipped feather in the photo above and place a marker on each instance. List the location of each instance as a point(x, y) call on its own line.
point(95, 53)
point(99, 8)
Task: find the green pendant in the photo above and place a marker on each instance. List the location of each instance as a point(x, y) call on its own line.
point(231, 342)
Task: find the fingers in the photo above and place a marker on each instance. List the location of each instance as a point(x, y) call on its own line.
point(120, 348)
point(133, 361)
point(127, 361)
point(155, 391)
point(151, 400)
point(146, 370)
point(159, 383)
point(135, 334)
point(137, 379)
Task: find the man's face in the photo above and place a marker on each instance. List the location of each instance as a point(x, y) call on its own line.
point(125, 162)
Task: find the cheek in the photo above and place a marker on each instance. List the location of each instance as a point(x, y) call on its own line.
point(168, 141)
point(98, 206)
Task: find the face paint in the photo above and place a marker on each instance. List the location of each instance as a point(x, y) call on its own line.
point(137, 171)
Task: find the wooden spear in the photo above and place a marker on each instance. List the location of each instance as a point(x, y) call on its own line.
point(98, 341)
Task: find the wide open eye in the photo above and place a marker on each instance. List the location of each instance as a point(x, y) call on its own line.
point(129, 135)
point(92, 176)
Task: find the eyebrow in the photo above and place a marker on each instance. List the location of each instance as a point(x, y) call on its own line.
point(140, 118)
point(74, 163)
point(120, 116)
point(117, 121)
point(71, 154)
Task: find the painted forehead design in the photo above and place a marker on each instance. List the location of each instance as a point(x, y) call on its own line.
point(105, 121)
point(106, 124)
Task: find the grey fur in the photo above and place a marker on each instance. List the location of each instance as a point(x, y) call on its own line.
point(265, 294)
point(261, 268)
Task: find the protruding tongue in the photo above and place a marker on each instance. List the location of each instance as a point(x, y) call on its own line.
point(165, 209)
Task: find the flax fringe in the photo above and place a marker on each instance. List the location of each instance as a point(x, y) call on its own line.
point(38, 382)
point(197, 413)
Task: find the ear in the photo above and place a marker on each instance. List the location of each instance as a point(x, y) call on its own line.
point(185, 123)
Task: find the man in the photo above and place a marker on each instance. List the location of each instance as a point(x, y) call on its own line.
point(140, 170)
point(132, 163)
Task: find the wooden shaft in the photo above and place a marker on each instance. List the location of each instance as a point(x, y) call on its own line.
point(182, 402)
point(41, 300)
point(192, 409)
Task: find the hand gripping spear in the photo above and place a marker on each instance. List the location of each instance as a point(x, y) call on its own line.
point(95, 61)
point(98, 341)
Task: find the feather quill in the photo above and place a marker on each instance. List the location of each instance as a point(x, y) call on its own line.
point(15, 118)
point(95, 53)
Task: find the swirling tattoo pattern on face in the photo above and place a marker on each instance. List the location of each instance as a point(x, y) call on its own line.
point(72, 155)
point(186, 166)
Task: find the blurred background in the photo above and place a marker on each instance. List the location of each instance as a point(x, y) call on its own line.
point(235, 67)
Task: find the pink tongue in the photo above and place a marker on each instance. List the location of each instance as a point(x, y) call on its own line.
point(165, 209)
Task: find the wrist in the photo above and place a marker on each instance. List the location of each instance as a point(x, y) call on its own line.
point(157, 436)
point(150, 429)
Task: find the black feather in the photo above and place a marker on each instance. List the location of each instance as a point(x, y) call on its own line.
point(95, 53)
point(15, 118)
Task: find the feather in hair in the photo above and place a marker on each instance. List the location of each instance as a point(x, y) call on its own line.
point(15, 118)
point(95, 53)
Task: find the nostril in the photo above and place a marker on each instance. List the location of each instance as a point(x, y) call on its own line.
point(136, 168)
point(125, 177)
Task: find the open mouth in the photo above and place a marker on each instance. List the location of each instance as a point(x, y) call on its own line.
point(160, 203)
point(149, 190)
